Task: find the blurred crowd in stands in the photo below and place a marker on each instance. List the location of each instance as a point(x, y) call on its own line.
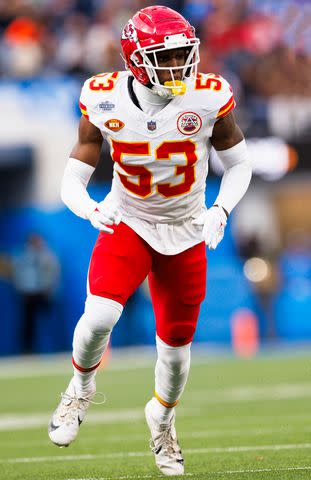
point(244, 37)
point(262, 46)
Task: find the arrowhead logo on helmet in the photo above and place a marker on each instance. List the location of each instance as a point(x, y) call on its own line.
point(154, 29)
point(129, 31)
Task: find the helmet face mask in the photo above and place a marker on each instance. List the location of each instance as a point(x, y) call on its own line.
point(148, 58)
point(151, 31)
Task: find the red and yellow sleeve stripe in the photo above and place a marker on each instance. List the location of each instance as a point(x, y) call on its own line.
point(230, 105)
point(83, 110)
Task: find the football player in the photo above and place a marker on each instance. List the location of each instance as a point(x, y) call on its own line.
point(160, 118)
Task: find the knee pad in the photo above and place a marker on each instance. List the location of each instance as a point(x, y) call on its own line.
point(101, 314)
point(176, 326)
point(175, 359)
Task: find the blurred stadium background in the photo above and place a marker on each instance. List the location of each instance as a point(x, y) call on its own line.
point(259, 279)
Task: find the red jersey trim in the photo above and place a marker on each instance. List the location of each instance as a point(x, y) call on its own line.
point(83, 110)
point(230, 105)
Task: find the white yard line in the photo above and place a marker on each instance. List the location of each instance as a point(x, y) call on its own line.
point(63, 369)
point(40, 367)
point(140, 357)
point(122, 359)
point(199, 451)
point(247, 393)
point(130, 477)
point(28, 421)
point(126, 477)
point(206, 434)
point(260, 470)
point(24, 421)
point(211, 474)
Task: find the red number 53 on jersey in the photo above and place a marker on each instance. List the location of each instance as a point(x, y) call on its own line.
point(144, 186)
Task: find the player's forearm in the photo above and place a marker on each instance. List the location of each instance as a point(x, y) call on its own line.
point(237, 175)
point(73, 190)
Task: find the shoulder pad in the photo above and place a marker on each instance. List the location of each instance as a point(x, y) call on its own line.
point(219, 99)
point(95, 88)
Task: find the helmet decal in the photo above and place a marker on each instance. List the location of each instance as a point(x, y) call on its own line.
point(129, 31)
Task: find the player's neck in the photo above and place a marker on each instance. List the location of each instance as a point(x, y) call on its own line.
point(149, 101)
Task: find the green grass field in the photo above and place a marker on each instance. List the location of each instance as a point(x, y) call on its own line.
point(237, 420)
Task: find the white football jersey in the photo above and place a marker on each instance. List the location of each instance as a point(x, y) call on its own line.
point(160, 161)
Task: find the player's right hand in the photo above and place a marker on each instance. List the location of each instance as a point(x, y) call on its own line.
point(105, 214)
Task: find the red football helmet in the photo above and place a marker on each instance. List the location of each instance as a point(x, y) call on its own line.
point(152, 30)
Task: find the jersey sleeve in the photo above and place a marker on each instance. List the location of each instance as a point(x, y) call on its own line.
point(227, 102)
point(86, 102)
point(95, 92)
point(83, 109)
point(224, 101)
point(216, 95)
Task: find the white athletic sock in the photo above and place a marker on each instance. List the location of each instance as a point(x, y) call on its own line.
point(160, 413)
point(91, 338)
point(171, 373)
point(83, 382)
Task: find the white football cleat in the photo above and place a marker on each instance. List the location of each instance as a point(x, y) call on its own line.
point(164, 445)
point(67, 418)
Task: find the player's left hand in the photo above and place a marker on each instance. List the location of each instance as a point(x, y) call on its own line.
point(109, 207)
point(213, 222)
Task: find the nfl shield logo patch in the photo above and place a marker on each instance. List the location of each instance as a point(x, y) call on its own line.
point(152, 126)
